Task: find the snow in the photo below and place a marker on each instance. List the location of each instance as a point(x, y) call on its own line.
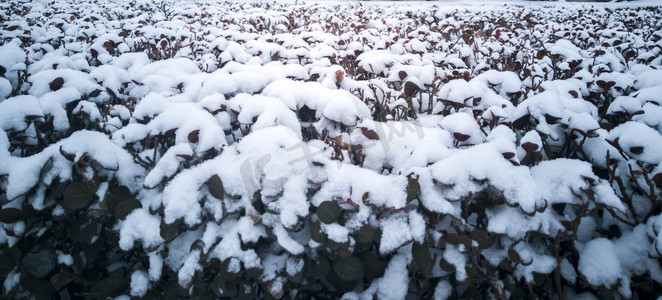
point(348, 181)
point(463, 124)
point(12, 280)
point(188, 269)
point(568, 271)
point(632, 135)
point(540, 263)
point(139, 283)
point(600, 263)
point(72, 79)
point(13, 112)
point(443, 290)
point(509, 221)
point(395, 281)
point(168, 165)
point(336, 232)
point(395, 233)
point(462, 171)
point(140, 226)
point(337, 105)
point(155, 266)
point(561, 179)
point(65, 259)
point(454, 257)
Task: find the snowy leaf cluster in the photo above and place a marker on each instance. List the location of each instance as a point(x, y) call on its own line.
point(291, 150)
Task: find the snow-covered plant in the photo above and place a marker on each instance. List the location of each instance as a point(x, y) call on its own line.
point(298, 150)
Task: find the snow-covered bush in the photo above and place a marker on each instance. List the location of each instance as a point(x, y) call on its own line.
point(298, 150)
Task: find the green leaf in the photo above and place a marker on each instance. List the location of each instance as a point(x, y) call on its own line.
point(10, 215)
point(348, 268)
point(116, 195)
point(479, 234)
point(56, 188)
point(215, 186)
point(6, 265)
point(124, 208)
point(254, 272)
point(109, 287)
point(40, 262)
point(171, 290)
point(413, 189)
point(62, 279)
point(446, 266)
point(77, 195)
point(217, 286)
point(169, 231)
point(316, 233)
point(93, 250)
point(95, 94)
point(465, 240)
point(85, 229)
point(484, 239)
point(40, 289)
point(328, 212)
point(231, 196)
point(513, 255)
point(422, 256)
point(374, 267)
point(298, 277)
point(340, 284)
point(320, 267)
point(452, 238)
point(365, 234)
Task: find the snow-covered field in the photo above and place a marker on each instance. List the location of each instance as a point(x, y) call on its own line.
point(330, 149)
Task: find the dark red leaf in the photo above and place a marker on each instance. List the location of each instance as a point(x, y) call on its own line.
point(541, 54)
point(340, 75)
point(193, 136)
point(56, 84)
point(657, 178)
point(215, 186)
point(10, 215)
point(551, 119)
point(402, 75)
point(637, 150)
point(521, 122)
point(614, 143)
point(170, 133)
point(530, 147)
point(369, 133)
point(574, 94)
point(411, 89)
point(109, 46)
point(508, 155)
point(461, 137)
